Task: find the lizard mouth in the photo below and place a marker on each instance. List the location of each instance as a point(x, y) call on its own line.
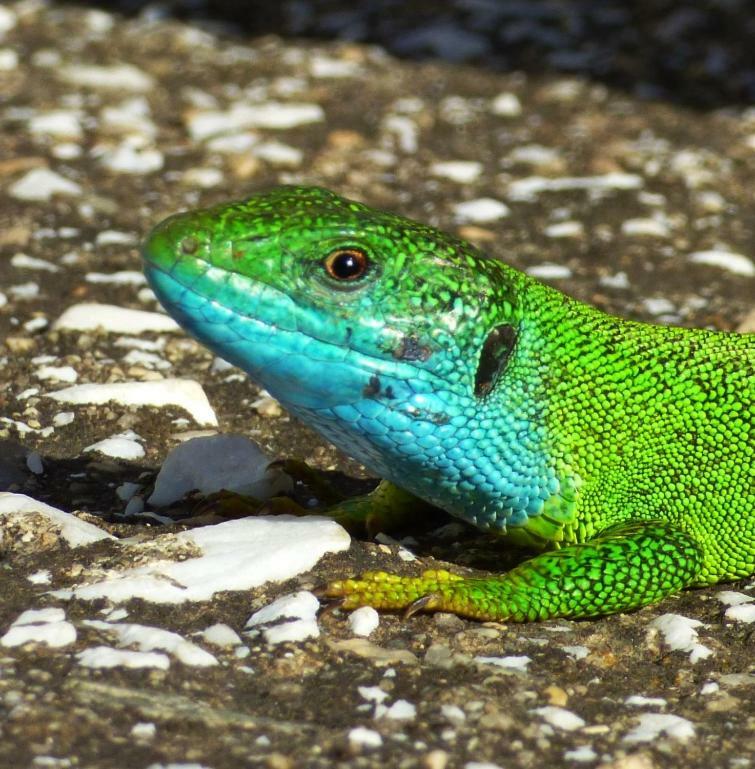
point(264, 332)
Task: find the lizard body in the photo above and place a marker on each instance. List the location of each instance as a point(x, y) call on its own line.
point(622, 450)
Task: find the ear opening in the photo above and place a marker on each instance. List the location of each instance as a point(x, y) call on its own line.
point(494, 357)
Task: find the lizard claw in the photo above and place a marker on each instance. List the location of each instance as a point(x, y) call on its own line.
point(417, 606)
point(331, 605)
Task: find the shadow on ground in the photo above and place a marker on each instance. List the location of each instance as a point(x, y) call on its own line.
point(698, 54)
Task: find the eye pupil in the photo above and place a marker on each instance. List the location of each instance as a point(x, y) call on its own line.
point(346, 264)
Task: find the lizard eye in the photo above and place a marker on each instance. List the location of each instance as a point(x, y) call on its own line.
point(346, 264)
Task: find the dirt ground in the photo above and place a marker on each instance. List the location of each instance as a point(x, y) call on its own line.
point(505, 91)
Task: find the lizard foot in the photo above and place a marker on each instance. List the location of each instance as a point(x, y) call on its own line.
point(434, 590)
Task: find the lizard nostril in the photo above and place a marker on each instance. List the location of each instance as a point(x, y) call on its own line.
point(189, 246)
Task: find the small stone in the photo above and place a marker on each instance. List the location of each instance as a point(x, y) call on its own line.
point(279, 761)
point(435, 759)
point(556, 696)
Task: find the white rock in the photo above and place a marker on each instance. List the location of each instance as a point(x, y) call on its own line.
point(364, 621)
point(53, 634)
point(57, 373)
point(75, 531)
point(116, 237)
point(146, 639)
point(534, 155)
point(506, 105)
point(405, 131)
point(107, 657)
point(8, 59)
point(528, 189)
point(640, 701)
point(560, 718)
point(301, 605)
point(41, 577)
point(742, 613)
point(212, 463)
point(233, 144)
point(549, 271)
point(653, 725)
point(143, 731)
point(120, 77)
point(131, 158)
point(734, 597)
point(646, 227)
point(25, 262)
point(299, 612)
point(58, 123)
point(658, 305)
point(514, 662)
point(328, 67)
point(235, 555)
point(204, 178)
point(400, 710)
point(90, 316)
point(63, 418)
point(726, 260)
point(481, 210)
point(584, 753)
point(564, 230)
point(40, 616)
point(43, 184)
point(221, 635)
point(577, 652)
point(619, 280)
point(680, 634)
point(274, 115)
point(278, 154)
point(461, 171)
point(118, 447)
point(184, 393)
point(120, 278)
point(7, 20)
point(364, 737)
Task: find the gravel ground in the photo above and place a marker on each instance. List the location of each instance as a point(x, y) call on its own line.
point(642, 206)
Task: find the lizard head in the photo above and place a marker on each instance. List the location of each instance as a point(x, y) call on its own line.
point(325, 301)
point(384, 334)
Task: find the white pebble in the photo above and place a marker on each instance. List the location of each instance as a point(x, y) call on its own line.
point(118, 447)
point(645, 227)
point(57, 373)
point(461, 171)
point(481, 210)
point(506, 105)
point(561, 718)
point(364, 621)
point(367, 738)
point(59, 123)
point(549, 271)
point(8, 59)
point(129, 158)
point(565, 230)
point(42, 184)
point(221, 635)
point(653, 725)
point(120, 77)
point(726, 260)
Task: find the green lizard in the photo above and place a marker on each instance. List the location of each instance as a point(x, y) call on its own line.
point(623, 451)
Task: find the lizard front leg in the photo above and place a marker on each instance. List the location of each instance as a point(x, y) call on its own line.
point(627, 566)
